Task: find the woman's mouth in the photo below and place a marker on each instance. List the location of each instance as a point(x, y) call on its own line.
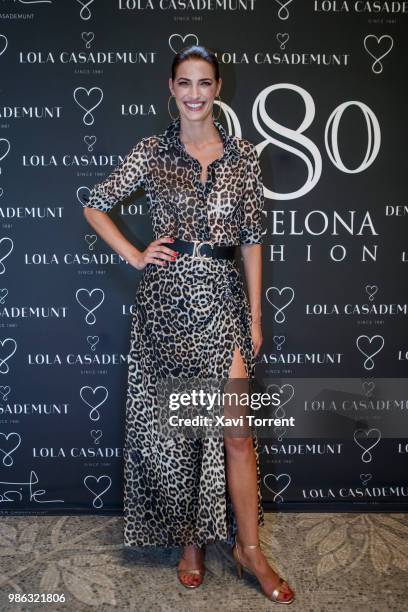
point(194, 106)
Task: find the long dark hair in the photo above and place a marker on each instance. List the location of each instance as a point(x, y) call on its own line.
point(199, 52)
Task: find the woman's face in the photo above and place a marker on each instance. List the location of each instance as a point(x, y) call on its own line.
point(195, 88)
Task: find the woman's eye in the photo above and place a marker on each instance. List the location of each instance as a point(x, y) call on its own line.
point(185, 83)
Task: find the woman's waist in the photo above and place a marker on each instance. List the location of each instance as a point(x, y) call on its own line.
point(187, 270)
point(203, 248)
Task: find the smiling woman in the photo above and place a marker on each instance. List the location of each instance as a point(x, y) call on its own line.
point(192, 320)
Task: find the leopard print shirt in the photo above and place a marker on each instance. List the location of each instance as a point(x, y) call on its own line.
point(228, 209)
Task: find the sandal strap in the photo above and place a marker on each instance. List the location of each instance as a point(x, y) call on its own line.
point(276, 590)
point(257, 545)
point(191, 571)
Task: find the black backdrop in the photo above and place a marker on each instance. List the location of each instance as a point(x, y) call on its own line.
point(319, 87)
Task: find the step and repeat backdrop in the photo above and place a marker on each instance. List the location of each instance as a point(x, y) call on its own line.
point(320, 88)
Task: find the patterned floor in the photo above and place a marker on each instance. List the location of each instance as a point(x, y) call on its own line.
point(334, 562)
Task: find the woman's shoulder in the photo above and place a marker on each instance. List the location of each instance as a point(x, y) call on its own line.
point(152, 144)
point(146, 142)
point(152, 139)
point(245, 146)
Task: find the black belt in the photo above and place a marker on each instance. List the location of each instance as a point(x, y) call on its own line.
point(202, 249)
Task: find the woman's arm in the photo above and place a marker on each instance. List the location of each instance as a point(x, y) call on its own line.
point(122, 182)
point(251, 237)
point(252, 257)
point(252, 222)
point(128, 176)
point(109, 232)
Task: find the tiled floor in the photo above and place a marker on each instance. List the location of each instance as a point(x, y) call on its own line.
point(334, 562)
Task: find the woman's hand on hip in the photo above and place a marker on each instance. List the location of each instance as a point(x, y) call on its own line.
point(156, 253)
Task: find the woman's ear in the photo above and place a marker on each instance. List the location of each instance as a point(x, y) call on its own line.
point(219, 87)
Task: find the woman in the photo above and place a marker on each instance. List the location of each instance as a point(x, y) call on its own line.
point(192, 319)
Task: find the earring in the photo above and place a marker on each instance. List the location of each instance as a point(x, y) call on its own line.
point(168, 107)
point(219, 114)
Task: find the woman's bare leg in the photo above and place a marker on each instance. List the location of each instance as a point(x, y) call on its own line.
point(242, 487)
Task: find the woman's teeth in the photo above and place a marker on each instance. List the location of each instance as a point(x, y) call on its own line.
point(194, 107)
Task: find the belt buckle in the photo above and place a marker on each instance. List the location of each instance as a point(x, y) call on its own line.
point(196, 250)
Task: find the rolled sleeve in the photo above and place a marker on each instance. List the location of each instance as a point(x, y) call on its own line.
point(128, 176)
point(253, 220)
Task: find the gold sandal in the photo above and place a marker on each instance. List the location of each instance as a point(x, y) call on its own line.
point(200, 572)
point(275, 593)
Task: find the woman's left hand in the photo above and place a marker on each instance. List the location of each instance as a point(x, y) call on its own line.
point(257, 339)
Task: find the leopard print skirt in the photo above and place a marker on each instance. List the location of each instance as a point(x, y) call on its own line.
point(187, 317)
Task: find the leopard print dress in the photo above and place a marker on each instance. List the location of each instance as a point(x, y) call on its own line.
point(187, 318)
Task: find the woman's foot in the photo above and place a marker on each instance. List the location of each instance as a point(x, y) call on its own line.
point(269, 580)
point(192, 558)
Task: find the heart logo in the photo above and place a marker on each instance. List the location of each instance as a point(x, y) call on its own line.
point(386, 42)
point(91, 239)
point(10, 346)
point(96, 434)
point(286, 389)
point(3, 295)
point(275, 483)
point(90, 141)
point(95, 486)
point(3, 43)
point(94, 398)
point(365, 478)
point(177, 41)
point(6, 247)
point(4, 148)
point(83, 194)
point(82, 98)
point(92, 341)
point(368, 387)
point(366, 456)
point(279, 304)
point(279, 432)
point(362, 343)
point(282, 39)
point(7, 459)
point(4, 391)
point(371, 290)
point(87, 37)
point(279, 340)
point(90, 296)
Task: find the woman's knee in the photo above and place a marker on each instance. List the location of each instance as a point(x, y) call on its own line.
point(237, 369)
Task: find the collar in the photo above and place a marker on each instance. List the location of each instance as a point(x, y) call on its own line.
point(171, 137)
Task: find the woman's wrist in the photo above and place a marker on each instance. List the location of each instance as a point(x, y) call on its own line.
point(256, 318)
point(134, 258)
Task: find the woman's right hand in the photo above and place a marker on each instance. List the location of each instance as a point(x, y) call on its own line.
point(156, 253)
